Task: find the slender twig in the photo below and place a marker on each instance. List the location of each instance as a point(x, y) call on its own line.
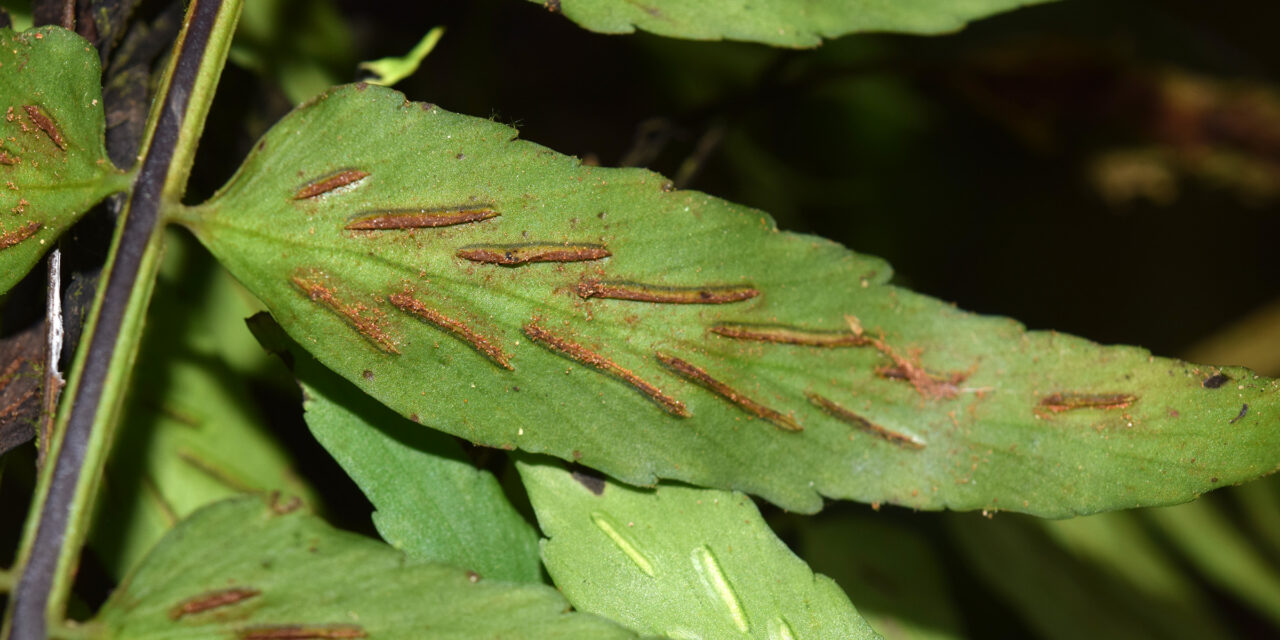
point(53, 381)
point(62, 506)
point(67, 19)
point(708, 142)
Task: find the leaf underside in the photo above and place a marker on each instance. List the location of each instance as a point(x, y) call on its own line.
point(507, 294)
point(784, 23)
point(680, 562)
point(254, 570)
point(53, 162)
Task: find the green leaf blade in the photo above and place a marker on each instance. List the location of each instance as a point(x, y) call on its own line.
point(247, 566)
point(53, 162)
point(680, 562)
point(431, 502)
point(706, 346)
point(777, 22)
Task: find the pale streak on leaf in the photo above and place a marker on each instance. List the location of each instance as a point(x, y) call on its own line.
point(625, 544)
point(708, 568)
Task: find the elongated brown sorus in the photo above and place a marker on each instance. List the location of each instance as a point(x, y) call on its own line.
point(46, 125)
point(417, 219)
point(7, 159)
point(859, 422)
point(211, 600)
point(1069, 401)
point(357, 315)
point(698, 375)
point(409, 304)
point(789, 335)
point(667, 295)
point(517, 254)
point(301, 632)
point(11, 238)
point(598, 362)
point(328, 183)
point(927, 384)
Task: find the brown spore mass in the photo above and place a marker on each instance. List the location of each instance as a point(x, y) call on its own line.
point(422, 219)
point(518, 254)
point(357, 315)
point(779, 334)
point(211, 600)
point(698, 375)
point(46, 125)
point(927, 384)
point(329, 183)
point(11, 238)
point(666, 295)
point(600, 363)
point(859, 422)
point(1069, 401)
point(409, 304)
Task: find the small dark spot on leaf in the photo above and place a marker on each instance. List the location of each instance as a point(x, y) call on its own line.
point(516, 389)
point(368, 375)
point(473, 576)
point(1244, 409)
point(361, 86)
point(588, 479)
point(413, 417)
point(552, 5)
point(461, 156)
point(1216, 381)
point(577, 455)
point(1213, 479)
point(283, 507)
